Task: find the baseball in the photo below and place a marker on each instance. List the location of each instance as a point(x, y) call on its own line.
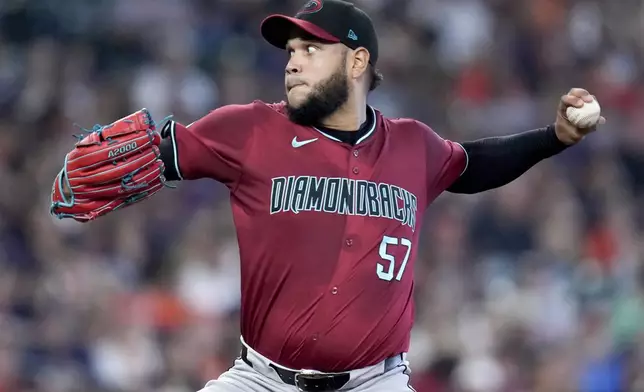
point(586, 116)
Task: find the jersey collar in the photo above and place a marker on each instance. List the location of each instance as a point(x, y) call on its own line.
point(364, 137)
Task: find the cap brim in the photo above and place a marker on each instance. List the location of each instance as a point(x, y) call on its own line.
point(278, 29)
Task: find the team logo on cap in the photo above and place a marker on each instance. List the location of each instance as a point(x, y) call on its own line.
point(310, 7)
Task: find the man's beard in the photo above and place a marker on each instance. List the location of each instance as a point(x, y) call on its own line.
point(327, 97)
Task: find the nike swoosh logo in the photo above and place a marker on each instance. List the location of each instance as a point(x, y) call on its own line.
point(297, 144)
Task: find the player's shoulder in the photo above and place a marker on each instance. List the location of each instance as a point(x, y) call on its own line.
point(274, 116)
point(261, 107)
point(406, 125)
point(264, 111)
point(238, 109)
point(275, 107)
point(254, 107)
point(412, 131)
point(247, 115)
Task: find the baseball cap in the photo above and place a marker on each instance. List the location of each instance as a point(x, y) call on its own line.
point(333, 21)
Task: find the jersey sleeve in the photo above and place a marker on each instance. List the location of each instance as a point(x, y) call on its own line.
point(214, 146)
point(446, 161)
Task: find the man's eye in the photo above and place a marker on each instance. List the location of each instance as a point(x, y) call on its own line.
point(311, 49)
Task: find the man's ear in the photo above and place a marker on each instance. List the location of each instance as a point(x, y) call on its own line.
point(360, 62)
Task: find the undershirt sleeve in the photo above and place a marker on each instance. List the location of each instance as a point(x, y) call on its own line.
point(497, 161)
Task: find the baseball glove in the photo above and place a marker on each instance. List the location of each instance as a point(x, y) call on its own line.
point(110, 167)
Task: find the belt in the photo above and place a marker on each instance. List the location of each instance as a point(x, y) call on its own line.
point(311, 381)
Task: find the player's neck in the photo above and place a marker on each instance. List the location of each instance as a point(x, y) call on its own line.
point(349, 117)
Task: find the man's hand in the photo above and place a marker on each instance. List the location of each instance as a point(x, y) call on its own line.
point(567, 132)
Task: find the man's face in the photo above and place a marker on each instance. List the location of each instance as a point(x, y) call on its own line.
point(316, 80)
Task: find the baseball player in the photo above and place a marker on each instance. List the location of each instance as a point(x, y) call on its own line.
point(327, 196)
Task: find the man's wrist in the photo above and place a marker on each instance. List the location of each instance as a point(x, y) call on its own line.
point(563, 138)
point(558, 139)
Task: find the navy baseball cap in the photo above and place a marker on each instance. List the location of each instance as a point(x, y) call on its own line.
point(333, 21)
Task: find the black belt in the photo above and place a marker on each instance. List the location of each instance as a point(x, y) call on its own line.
point(316, 382)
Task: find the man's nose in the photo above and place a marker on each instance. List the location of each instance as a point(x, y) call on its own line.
point(293, 66)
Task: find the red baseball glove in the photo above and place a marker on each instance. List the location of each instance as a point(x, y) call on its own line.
point(111, 167)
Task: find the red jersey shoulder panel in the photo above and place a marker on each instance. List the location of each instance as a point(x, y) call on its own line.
point(279, 107)
point(216, 145)
point(446, 160)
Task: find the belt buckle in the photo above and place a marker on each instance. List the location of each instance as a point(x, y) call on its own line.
point(306, 372)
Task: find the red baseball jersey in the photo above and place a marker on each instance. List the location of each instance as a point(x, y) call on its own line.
point(328, 232)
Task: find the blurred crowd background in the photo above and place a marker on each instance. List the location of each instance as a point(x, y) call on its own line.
point(538, 286)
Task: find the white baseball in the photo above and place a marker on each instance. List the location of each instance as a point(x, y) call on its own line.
point(586, 116)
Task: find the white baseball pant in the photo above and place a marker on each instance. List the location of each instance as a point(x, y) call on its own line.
point(387, 376)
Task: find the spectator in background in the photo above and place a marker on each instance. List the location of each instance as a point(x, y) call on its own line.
point(534, 285)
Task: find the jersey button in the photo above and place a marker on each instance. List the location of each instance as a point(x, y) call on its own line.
point(349, 241)
point(334, 291)
point(355, 153)
point(356, 170)
point(314, 337)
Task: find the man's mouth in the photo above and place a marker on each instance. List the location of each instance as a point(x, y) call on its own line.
point(291, 86)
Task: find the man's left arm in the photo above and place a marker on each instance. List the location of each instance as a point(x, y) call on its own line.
point(497, 161)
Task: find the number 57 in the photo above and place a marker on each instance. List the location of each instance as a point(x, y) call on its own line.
point(387, 273)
